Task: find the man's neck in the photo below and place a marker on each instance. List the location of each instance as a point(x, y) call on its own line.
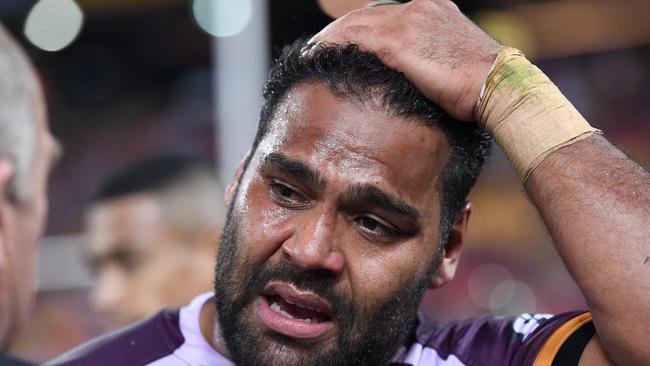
point(210, 328)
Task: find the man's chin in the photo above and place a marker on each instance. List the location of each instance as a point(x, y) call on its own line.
point(253, 339)
point(272, 347)
point(277, 349)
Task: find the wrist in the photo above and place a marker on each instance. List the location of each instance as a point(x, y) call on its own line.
point(526, 113)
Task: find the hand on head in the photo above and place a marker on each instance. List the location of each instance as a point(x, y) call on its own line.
point(444, 54)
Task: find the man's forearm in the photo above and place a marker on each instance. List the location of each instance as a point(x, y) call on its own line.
point(595, 202)
point(593, 199)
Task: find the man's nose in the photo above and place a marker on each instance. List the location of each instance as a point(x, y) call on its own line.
point(107, 295)
point(313, 246)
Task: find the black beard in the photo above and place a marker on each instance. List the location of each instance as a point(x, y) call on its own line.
point(367, 334)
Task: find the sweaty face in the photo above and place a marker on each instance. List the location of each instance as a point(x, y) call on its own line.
point(141, 262)
point(332, 235)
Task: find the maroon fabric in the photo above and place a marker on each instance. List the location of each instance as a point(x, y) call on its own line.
point(138, 344)
point(481, 341)
point(485, 340)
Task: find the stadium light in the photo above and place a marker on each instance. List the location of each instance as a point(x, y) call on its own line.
point(52, 25)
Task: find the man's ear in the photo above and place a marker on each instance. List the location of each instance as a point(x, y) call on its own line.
point(451, 254)
point(6, 177)
point(234, 182)
point(7, 171)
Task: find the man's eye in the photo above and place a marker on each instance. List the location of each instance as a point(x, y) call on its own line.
point(285, 191)
point(369, 223)
point(286, 195)
point(376, 229)
point(129, 262)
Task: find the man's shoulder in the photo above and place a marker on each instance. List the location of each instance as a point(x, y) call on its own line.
point(139, 344)
point(484, 340)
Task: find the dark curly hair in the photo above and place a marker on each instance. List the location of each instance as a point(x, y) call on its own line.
point(351, 72)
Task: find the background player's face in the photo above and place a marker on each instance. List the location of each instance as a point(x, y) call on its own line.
point(332, 234)
point(22, 225)
point(142, 263)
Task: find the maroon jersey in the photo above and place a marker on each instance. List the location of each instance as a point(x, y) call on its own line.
point(173, 338)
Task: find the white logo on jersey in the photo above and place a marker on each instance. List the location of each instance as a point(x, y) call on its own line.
point(526, 323)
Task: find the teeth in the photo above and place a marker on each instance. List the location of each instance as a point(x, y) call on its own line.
point(275, 307)
point(302, 307)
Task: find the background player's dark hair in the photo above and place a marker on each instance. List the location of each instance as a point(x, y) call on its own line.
point(149, 175)
point(353, 73)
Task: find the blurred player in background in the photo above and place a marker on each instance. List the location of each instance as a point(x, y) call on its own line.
point(27, 150)
point(152, 231)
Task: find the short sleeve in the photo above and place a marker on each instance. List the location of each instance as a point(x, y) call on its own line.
point(525, 340)
point(546, 344)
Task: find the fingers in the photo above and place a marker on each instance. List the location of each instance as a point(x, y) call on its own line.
point(438, 49)
point(363, 27)
point(369, 17)
point(364, 37)
point(358, 34)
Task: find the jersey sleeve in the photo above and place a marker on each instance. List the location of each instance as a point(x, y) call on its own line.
point(558, 340)
point(526, 340)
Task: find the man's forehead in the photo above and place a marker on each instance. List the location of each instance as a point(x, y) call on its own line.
point(345, 136)
point(312, 119)
point(132, 222)
point(133, 213)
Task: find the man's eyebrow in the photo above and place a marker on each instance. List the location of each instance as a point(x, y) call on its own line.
point(373, 195)
point(296, 169)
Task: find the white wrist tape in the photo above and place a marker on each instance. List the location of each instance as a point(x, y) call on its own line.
point(526, 113)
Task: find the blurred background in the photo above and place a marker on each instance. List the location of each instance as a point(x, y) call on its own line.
point(127, 79)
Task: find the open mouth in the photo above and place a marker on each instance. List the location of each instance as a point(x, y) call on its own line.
point(291, 310)
point(294, 313)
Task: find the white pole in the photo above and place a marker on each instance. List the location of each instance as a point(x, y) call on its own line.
point(240, 65)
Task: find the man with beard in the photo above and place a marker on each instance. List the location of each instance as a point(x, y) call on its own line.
point(352, 203)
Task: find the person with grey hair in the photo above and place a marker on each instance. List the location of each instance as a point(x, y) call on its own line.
point(152, 230)
point(27, 150)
